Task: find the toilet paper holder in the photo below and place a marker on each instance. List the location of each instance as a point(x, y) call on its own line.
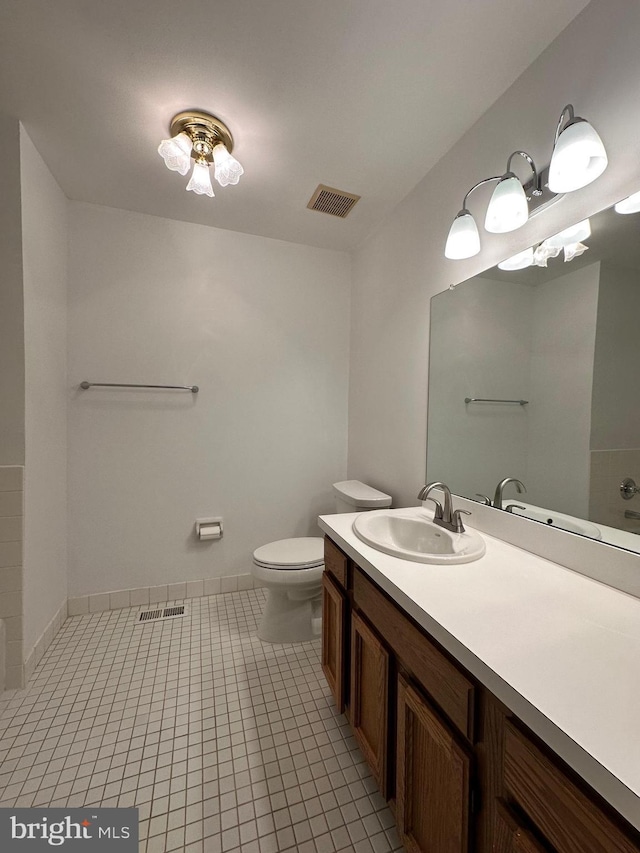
point(209, 528)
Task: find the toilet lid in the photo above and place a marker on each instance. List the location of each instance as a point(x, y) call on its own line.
point(303, 552)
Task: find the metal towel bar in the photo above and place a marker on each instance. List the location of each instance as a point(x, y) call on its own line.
point(84, 385)
point(487, 400)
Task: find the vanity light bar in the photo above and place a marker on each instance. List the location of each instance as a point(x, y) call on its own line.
point(577, 159)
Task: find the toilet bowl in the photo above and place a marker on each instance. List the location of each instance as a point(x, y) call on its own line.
point(291, 570)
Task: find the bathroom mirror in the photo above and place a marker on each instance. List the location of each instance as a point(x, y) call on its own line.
point(534, 373)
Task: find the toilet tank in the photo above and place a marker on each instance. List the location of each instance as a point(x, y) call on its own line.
point(354, 496)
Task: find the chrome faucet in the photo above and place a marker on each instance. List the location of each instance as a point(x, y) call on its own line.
point(444, 517)
point(497, 498)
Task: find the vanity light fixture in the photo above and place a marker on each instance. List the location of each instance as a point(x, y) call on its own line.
point(631, 204)
point(578, 158)
point(518, 262)
point(573, 234)
point(509, 208)
point(568, 241)
point(205, 139)
point(463, 240)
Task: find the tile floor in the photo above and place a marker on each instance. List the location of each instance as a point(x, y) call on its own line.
point(224, 743)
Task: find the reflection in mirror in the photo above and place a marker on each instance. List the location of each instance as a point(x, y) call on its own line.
point(534, 374)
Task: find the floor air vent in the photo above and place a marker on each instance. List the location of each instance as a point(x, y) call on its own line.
point(173, 611)
point(162, 613)
point(332, 201)
point(148, 615)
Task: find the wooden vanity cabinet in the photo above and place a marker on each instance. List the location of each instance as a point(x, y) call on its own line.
point(509, 836)
point(369, 697)
point(433, 782)
point(558, 810)
point(335, 622)
point(461, 772)
point(334, 626)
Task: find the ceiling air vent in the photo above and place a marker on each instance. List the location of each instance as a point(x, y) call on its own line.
point(332, 201)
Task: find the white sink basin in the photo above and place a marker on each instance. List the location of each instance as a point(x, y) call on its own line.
point(417, 538)
point(559, 519)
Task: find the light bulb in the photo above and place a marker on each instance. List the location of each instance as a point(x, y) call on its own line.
point(574, 234)
point(227, 170)
point(578, 158)
point(631, 204)
point(508, 208)
point(176, 153)
point(519, 261)
point(463, 240)
point(200, 182)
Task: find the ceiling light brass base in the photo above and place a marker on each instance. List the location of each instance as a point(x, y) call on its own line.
point(203, 129)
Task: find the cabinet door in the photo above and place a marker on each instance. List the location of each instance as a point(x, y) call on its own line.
point(509, 836)
point(333, 638)
point(433, 779)
point(561, 812)
point(370, 697)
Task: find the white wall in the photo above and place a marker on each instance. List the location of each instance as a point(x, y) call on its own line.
point(262, 327)
point(480, 347)
point(562, 352)
point(44, 257)
point(11, 302)
point(595, 64)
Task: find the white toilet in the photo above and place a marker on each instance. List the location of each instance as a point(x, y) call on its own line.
point(291, 570)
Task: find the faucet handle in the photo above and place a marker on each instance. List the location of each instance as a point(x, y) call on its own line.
point(484, 499)
point(438, 513)
point(511, 507)
point(457, 520)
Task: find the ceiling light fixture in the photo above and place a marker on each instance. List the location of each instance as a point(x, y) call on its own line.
point(207, 140)
point(578, 158)
point(569, 242)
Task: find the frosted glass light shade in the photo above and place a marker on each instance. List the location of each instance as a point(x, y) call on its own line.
point(574, 250)
point(519, 261)
point(227, 169)
point(176, 153)
point(631, 204)
point(508, 208)
point(200, 182)
point(578, 158)
point(543, 253)
point(463, 240)
point(574, 234)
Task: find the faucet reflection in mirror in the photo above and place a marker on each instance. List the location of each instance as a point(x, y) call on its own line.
point(577, 159)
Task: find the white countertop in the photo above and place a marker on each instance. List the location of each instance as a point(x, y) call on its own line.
point(560, 649)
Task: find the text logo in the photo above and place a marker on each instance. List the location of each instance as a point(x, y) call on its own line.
point(69, 829)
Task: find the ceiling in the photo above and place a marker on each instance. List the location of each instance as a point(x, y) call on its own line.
point(363, 95)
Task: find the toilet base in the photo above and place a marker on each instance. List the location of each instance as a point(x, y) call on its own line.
point(290, 620)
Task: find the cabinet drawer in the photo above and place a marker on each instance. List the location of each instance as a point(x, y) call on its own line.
point(449, 688)
point(335, 562)
point(565, 816)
